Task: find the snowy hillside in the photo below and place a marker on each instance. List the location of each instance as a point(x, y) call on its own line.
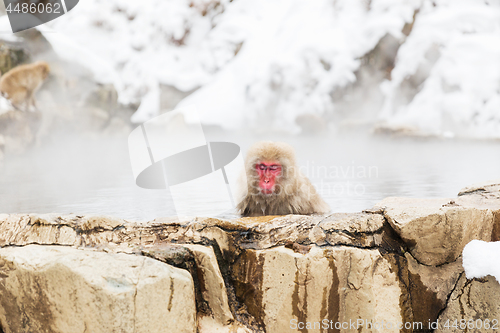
point(455, 49)
point(263, 63)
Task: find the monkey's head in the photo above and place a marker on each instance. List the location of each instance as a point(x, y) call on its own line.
point(268, 166)
point(43, 68)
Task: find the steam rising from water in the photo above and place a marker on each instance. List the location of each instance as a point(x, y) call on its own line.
point(93, 176)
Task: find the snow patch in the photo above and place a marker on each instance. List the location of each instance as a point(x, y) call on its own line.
point(481, 259)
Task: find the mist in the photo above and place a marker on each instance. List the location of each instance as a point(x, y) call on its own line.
point(352, 173)
point(376, 98)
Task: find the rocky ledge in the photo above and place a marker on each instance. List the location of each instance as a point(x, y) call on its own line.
point(394, 268)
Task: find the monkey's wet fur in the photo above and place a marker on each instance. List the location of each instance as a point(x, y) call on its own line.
point(275, 185)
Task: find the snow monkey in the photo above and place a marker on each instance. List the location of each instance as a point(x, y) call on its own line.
point(275, 185)
point(20, 84)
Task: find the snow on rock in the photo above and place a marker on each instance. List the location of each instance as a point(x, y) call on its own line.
point(481, 259)
point(296, 54)
point(70, 51)
point(452, 56)
point(175, 42)
point(293, 53)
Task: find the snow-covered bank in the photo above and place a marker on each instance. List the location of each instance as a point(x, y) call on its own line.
point(453, 57)
point(264, 63)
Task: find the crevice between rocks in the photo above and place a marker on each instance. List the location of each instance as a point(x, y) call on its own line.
point(246, 314)
point(135, 293)
point(406, 247)
point(183, 258)
point(451, 293)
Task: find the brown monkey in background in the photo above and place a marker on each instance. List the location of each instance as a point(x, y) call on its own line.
point(20, 84)
point(275, 185)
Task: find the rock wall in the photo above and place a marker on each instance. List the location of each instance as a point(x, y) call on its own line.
point(60, 289)
point(394, 268)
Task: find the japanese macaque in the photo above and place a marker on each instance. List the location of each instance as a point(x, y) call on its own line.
point(20, 84)
point(275, 185)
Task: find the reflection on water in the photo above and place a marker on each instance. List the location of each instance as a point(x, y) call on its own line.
point(352, 174)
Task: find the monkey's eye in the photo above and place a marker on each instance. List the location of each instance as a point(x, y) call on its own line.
point(265, 167)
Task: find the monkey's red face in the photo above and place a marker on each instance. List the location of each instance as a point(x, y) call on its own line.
point(268, 172)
